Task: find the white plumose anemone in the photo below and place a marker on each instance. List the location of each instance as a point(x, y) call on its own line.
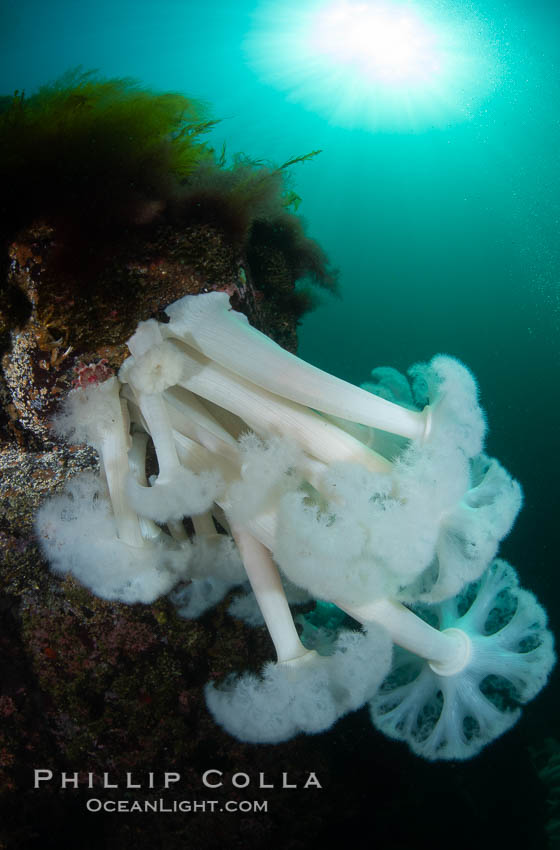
point(367, 500)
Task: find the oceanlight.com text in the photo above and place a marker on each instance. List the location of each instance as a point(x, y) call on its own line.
point(94, 804)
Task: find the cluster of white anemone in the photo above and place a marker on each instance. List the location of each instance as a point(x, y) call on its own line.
point(378, 500)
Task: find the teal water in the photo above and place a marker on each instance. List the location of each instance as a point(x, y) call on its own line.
point(446, 236)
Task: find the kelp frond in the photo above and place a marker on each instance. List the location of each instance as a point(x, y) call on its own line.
point(302, 158)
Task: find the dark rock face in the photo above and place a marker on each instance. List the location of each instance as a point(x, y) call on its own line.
point(88, 685)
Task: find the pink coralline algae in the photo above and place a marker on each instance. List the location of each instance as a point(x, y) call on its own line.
point(89, 374)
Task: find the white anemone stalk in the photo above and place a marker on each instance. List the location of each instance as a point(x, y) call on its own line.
point(210, 325)
point(113, 448)
point(266, 413)
point(269, 592)
point(447, 652)
point(150, 372)
point(97, 415)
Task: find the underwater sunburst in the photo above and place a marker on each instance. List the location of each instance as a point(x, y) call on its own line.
point(381, 64)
